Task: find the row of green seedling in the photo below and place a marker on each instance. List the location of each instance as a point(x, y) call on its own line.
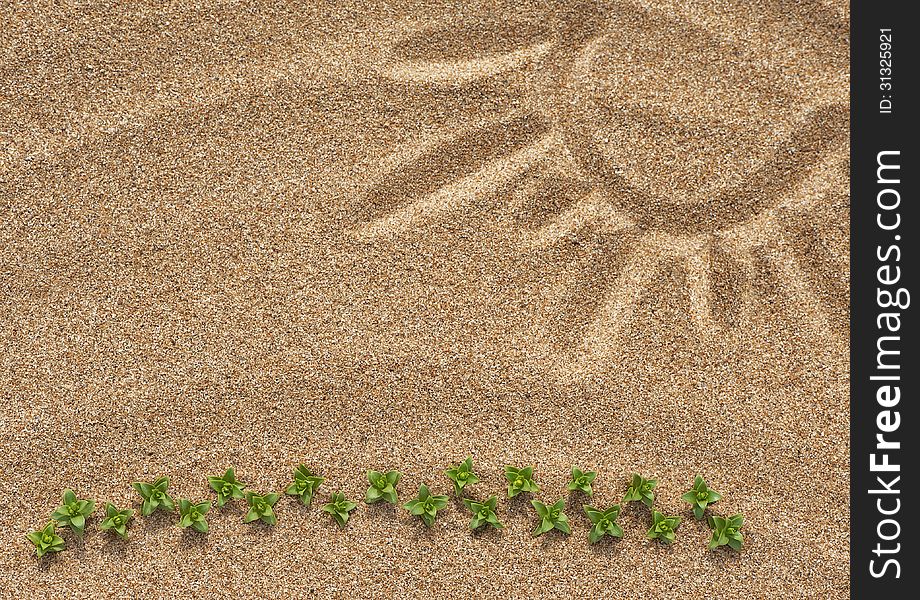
point(74, 512)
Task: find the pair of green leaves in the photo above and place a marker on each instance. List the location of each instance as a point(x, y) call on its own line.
point(305, 485)
point(483, 513)
point(641, 488)
point(193, 515)
point(383, 486)
point(340, 508)
point(581, 481)
point(663, 527)
point(154, 495)
point(700, 496)
point(260, 508)
point(726, 532)
point(426, 505)
point(603, 522)
point(73, 512)
point(116, 520)
point(227, 487)
point(551, 517)
point(520, 480)
point(462, 475)
point(46, 540)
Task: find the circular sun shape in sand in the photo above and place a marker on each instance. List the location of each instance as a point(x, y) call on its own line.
point(662, 134)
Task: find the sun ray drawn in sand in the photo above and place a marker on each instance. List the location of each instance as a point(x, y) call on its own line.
point(701, 155)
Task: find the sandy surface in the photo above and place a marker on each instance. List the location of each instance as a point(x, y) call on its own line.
point(613, 235)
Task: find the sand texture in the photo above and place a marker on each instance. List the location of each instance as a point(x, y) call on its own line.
point(375, 236)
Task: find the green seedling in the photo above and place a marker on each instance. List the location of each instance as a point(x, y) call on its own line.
point(551, 518)
point(73, 512)
point(192, 515)
point(462, 475)
point(425, 505)
point(520, 480)
point(154, 495)
point(227, 487)
point(581, 481)
point(641, 488)
point(603, 522)
point(46, 540)
point(483, 513)
point(339, 508)
point(383, 486)
point(260, 508)
point(726, 531)
point(116, 520)
point(305, 485)
point(663, 527)
point(700, 496)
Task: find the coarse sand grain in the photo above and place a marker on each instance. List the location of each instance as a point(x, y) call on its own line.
point(392, 235)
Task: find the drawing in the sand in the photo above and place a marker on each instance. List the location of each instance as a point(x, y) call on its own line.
point(655, 184)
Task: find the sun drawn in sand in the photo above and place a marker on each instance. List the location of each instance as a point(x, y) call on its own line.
point(675, 148)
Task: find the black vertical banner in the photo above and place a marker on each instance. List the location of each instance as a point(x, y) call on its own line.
point(884, 516)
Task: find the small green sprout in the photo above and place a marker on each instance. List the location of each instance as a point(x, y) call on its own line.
point(192, 515)
point(581, 481)
point(305, 485)
point(73, 512)
point(339, 508)
point(483, 512)
point(700, 496)
point(663, 527)
point(383, 486)
point(462, 475)
point(154, 495)
point(260, 508)
point(551, 518)
point(603, 522)
point(227, 487)
point(726, 531)
point(520, 480)
point(641, 488)
point(425, 505)
point(116, 520)
point(46, 540)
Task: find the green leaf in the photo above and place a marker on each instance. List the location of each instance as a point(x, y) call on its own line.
point(544, 526)
point(540, 508)
point(35, 537)
point(77, 522)
point(594, 515)
point(374, 476)
point(167, 503)
point(252, 515)
point(143, 489)
point(69, 497)
point(595, 534)
point(562, 524)
point(200, 526)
